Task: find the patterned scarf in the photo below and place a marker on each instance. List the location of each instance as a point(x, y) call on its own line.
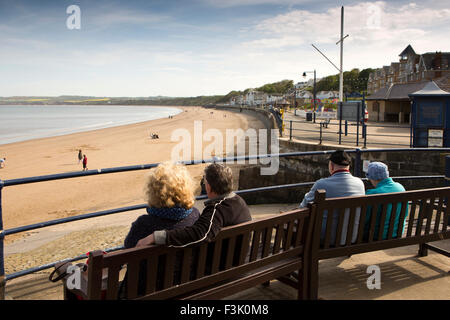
point(174, 213)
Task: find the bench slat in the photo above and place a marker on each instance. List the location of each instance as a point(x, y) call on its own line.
point(152, 269)
point(245, 248)
point(402, 219)
point(392, 220)
point(186, 265)
point(216, 256)
point(230, 252)
point(341, 215)
point(113, 283)
point(382, 220)
point(351, 226)
point(95, 271)
point(328, 228)
point(202, 252)
point(255, 245)
point(439, 212)
point(422, 210)
point(267, 241)
point(289, 234)
point(429, 214)
point(412, 216)
point(169, 269)
point(278, 236)
point(132, 279)
point(373, 217)
point(299, 233)
point(362, 221)
point(445, 220)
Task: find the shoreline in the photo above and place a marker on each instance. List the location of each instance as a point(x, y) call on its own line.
point(78, 130)
point(105, 148)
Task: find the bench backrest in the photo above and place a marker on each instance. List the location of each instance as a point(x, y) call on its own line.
point(236, 250)
point(421, 214)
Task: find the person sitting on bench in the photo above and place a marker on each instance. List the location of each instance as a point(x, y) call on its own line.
point(341, 183)
point(223, 208)
point(378, 175)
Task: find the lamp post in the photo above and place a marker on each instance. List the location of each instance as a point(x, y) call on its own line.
point(314, 92)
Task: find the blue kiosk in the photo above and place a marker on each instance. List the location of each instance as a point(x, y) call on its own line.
point(430, 117)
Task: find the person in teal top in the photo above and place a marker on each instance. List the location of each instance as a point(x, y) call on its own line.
point(378, 175)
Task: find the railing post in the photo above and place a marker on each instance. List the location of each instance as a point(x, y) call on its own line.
point(290, 130)
point(365, 135)
point(357, 169)
point(340, 122)
point(2, 262)
point(447, 180)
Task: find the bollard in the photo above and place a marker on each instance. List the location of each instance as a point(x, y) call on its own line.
point(346, 128)
point(320, 142)
point(290, 130)
point(2, 262)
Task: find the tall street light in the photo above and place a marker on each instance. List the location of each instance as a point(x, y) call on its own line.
point(314, 91)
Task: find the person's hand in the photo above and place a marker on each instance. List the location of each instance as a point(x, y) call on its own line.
point(146, 241)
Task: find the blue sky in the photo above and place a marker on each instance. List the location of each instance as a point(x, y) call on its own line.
point(201, 47)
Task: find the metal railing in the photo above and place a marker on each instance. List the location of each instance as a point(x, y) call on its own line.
point(7, 183)
point(361, 136)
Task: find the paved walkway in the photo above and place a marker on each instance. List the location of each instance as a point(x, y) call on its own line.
point(379, 134)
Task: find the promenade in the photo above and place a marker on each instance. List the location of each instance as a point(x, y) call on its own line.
point(379, 134)
point(404, 276)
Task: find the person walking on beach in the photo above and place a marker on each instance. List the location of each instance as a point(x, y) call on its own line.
point(80, 156)
point(2, 163)
point(85, 163)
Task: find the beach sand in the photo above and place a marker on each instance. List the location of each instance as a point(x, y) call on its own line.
point(104, 148)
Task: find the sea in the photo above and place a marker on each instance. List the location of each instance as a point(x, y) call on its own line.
point(26, 122)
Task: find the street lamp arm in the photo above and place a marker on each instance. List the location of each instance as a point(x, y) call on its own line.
point(326, 58)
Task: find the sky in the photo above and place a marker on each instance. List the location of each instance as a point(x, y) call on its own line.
point(139, 48)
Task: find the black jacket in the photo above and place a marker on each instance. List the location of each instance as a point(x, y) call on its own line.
point(220, 212)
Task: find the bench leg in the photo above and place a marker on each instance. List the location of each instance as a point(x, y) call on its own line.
point(423, 250)
point(314, 280)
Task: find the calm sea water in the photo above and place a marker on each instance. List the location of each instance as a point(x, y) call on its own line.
point(22, 122)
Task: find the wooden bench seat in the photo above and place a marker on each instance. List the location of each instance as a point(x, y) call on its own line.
point(425, 221)
point(239, 258)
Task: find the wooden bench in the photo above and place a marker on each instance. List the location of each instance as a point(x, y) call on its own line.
point(426, 221)
point(325, 123)
point(240, 257)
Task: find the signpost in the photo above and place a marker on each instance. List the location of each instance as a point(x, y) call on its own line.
point(350, 111)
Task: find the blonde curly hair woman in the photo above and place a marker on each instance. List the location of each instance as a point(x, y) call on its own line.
point(170, 198)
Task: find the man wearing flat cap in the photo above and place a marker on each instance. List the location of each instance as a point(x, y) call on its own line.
point(378, 175)
point(340, 183)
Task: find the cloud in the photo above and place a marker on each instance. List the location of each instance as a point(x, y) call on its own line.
point(364, 22)
point(239, 3)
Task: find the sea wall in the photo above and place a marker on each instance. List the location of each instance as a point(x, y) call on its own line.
point(261, 114)
point(312, 168)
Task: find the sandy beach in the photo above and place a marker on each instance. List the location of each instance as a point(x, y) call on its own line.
point(105, 148)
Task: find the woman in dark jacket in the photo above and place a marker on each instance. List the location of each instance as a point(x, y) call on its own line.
point(170, 199)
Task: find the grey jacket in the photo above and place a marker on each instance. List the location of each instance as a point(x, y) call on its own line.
point(340, 184)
